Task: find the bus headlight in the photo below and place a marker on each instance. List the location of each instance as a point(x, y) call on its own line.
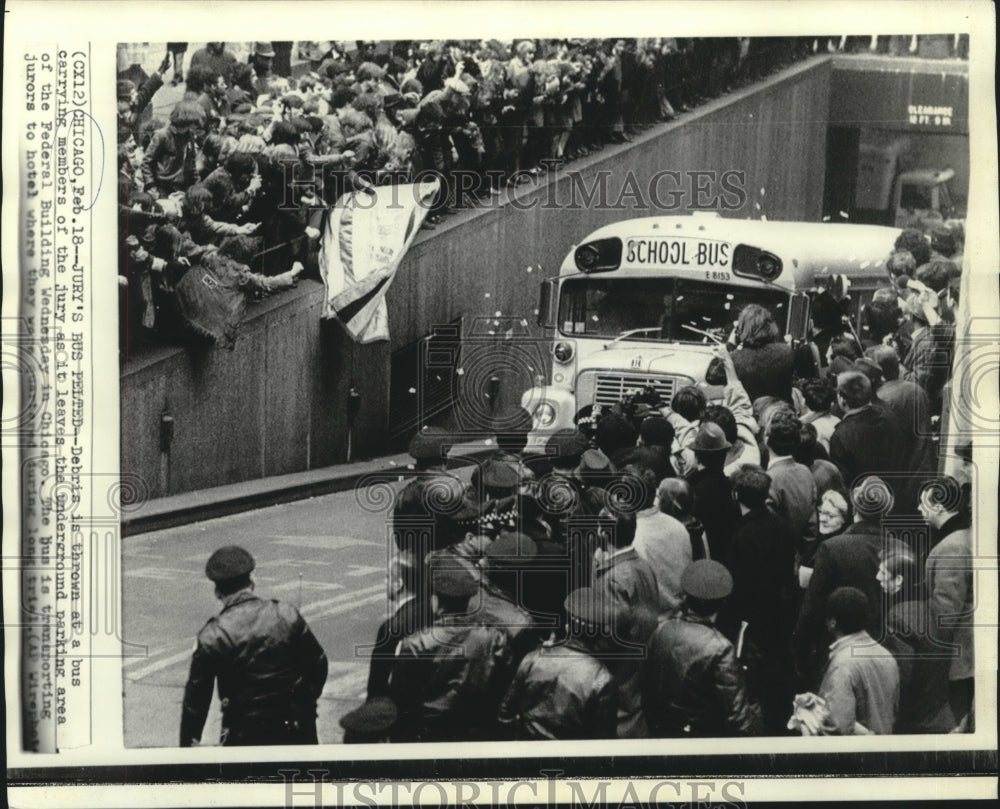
point(563, 351)
point(544, 415)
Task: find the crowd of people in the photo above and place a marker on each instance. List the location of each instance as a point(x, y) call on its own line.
point(773, 553)
point(223, 184)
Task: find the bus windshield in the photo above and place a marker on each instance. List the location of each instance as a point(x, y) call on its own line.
point(659, 308)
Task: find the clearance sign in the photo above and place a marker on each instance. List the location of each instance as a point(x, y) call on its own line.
point(676, 253)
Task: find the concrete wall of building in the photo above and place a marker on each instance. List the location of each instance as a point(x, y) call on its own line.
point(279, 402)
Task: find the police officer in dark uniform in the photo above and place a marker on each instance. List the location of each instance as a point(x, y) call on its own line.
point(269, 666)
point(501, 603)
point(444, 675)
point(564, 691)
point(695, 684)
point(563, 561)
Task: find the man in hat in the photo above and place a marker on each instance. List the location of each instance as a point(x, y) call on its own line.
point(712, 491)
point(850, 559)
point(443, 682)
point(861, 683)
point(262, 62)
point(694, 683)
point(429, 448)
point(566, 556)
point(564, 691)
point(269, 667)
point(371, 723)
point(560, 492)
point(512, 438)
point(502, 601)
point(495, 480)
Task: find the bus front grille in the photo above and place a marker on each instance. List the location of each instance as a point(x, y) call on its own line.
point(611, 387)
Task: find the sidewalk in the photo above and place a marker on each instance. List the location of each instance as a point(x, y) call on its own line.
point(206, 504)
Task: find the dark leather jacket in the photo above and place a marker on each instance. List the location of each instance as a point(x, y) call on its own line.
point(497, 609)
point(561, 692)
point(444, 678)
point(270, 669)
point(695, 686)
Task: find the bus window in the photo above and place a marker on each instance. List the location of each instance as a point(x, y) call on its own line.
point(657, 308)
point(714, 308)
point(603, 307)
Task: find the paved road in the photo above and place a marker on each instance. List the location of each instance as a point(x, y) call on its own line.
point(326, 553)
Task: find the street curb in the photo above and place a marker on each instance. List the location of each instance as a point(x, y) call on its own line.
point(222, 501)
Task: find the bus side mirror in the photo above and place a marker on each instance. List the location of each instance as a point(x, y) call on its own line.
point(547, 302)
point(798, 317)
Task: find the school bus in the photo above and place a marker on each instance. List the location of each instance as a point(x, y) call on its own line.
point(642, 302)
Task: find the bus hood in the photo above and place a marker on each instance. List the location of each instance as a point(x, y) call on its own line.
point(673, 359)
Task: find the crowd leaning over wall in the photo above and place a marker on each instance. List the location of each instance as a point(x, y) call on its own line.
point(230, 178)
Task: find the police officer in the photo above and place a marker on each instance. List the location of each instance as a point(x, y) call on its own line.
point(502, 601)
point(564, 691)
point(444, 675)
point(565, 558)
point(695, 685)
point(269, 666)
point(429, 449)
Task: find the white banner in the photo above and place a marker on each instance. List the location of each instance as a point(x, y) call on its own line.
point(365, 237)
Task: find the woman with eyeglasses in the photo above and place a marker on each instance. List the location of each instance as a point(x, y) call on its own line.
point(834, 516)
